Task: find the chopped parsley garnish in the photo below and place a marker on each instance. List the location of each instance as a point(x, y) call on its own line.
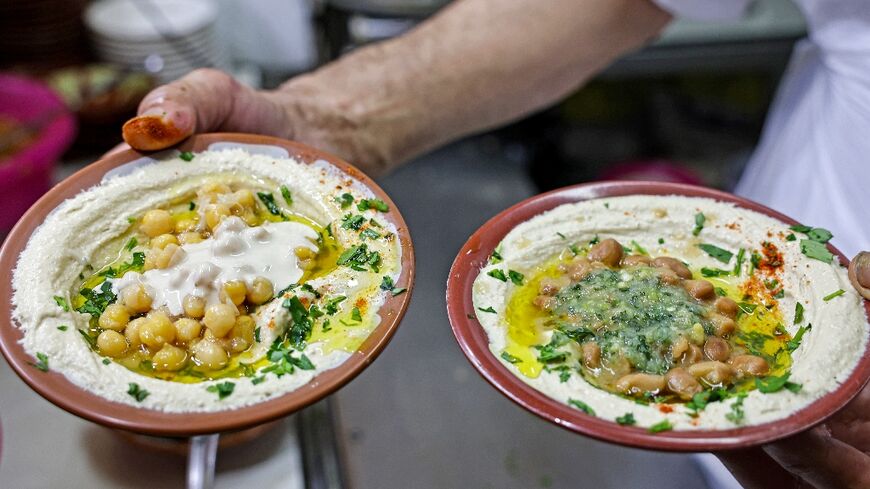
point(798, 312)
point(137, 392)
point(716, 252)
point(495, 257)
point(575, 250)
point(497, 274)
point(516, 277)
point(754, 261)
point(637, 247)
point(736, 415)
point(510, 358)
point(779, 330)
point(563, 370)
point(663, 425)
point(358, 257)
point(311, 290)
point(186, 155)
point(331, 306)
point(793, 344)
point(269, 201)
point(376, 204)
point(816, 250)
point(560, 235)
point(131, 244)
point(300, 323)
point(714, 272)
point(191, 206)
point(147, 365)
point(699, 223)
point(594, 241)
point(800, 228)
point(791, 237)
point(488, 309)
point(223, 390)
point(771, 384)
point(700, 400)
point(131, 220)
point(387, 284)
point(326, 327)
point(820, 235)
point(258, 380)
point(720, 291)
point(288, 197)
point(771, 284)
point(661, 241)
point(355, 314)
point(833, 295)
point(63, 327)
point(41, 362)
point(549, 353)
point(283, 361)
point(90, 340)
point(738, 267)
point(97, 301)
point(369, 233)
point(345, 200)
point(352, 222)
point(106, 361)
point(582, 406)
point(626, 419)
point(61, 303)
point(257, 334)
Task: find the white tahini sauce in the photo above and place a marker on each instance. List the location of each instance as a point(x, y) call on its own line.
point(235, 252)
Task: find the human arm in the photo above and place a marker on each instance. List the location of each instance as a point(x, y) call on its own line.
point(475, 65)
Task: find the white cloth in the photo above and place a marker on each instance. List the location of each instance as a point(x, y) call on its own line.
point(813, 161)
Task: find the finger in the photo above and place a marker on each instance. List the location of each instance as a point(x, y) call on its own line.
point(852, 424)
point(754, 469)
point(204, 100)
point(822, 460)
point(117, 149)
point(859, 273)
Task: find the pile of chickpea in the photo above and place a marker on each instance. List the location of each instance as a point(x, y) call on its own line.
point(699, 359)
point(206, 334)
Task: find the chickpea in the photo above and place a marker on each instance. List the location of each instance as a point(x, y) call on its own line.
point(638, 383)
point(261, 290)
point(633, 260)
point(234, 291)
point(115, 317)
point(544, 302)
point(692, 356)
point(677, 266)
point(185, 225)
point(566, 267)
point(579, 270)
point(722, 325)
point(679, 348)
point(131, 332)
point(551, 285)
point(236, 209)
point(189, 237)
point(618, 366)
point(668, 276)
point(156, 222)
point(242, 333)
point(214, 214)
point(187, 329)
point(157, 330)
point(591, 354)
point(244, 197)
point(716, 348)
point(220, 318)
point(713, 372)
point(699, 289)
point(749, 364)
point(111, 343)
point(210, 354)
point(214, 188)
point(163, 240)
point(166, 257)
point(727, 307)
point(169, 358)
point(682, 383)
point(608, 252)
point(136, 298)
point(194, 306)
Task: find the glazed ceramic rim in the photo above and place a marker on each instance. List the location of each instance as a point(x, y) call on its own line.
point(57, 389)
point(475, 343)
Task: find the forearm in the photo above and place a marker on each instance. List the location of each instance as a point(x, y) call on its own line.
point(477, 64)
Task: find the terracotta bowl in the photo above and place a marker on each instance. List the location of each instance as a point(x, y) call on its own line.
point(475, 344)
point(60, 391)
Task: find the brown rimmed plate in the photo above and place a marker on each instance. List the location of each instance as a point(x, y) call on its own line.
point(60, 391)
point(475, 344)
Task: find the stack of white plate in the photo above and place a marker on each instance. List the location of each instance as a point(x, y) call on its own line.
point(165, 37)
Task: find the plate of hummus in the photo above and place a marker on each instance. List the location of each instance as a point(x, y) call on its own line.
point(207, 288)
point(661, 316)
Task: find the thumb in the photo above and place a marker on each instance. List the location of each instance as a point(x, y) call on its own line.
point(204, 100)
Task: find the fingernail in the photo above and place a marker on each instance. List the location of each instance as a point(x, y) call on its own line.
point(180, 118)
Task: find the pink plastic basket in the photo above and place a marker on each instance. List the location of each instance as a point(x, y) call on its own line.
point(26, 175)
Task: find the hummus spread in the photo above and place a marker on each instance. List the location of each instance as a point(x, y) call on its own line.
point(208, 281)
point(671, 312)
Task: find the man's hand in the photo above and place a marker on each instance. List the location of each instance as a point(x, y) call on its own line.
point(834, 455)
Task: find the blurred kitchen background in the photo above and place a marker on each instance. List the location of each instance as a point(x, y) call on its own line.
point(688, 108)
